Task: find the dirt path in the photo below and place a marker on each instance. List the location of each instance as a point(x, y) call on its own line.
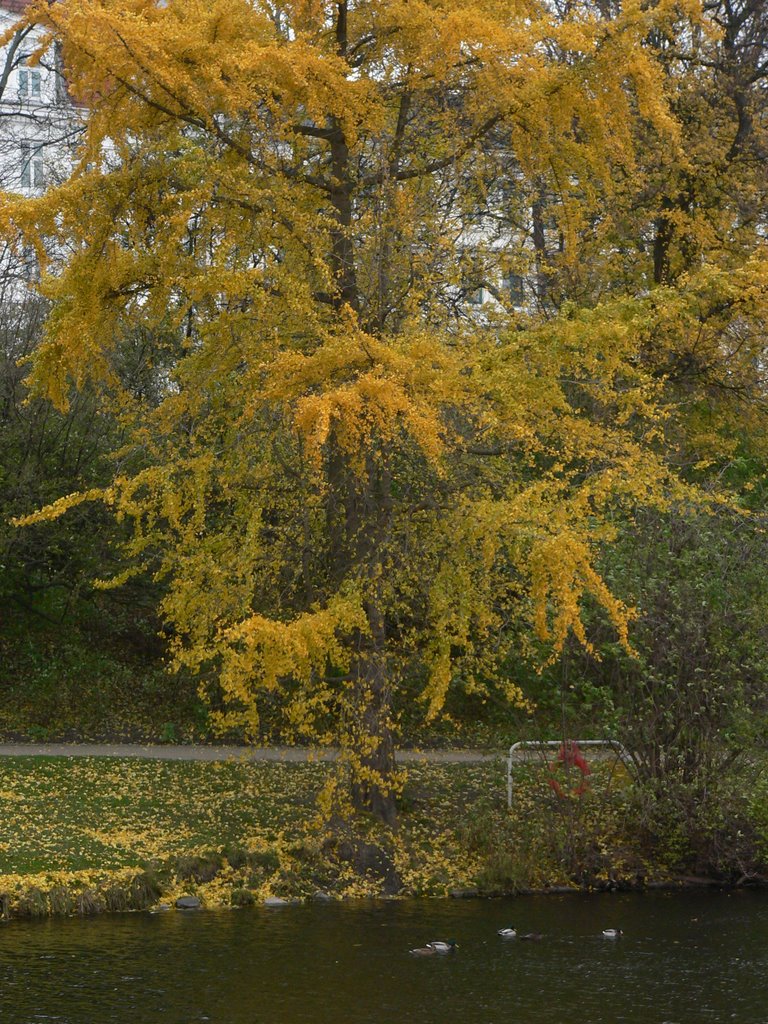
point(169, 752)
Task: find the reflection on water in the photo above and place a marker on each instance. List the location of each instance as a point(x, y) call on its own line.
point(684, 959)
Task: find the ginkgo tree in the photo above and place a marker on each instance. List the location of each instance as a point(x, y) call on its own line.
point(346, 475)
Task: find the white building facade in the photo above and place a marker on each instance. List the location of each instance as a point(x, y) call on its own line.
point(39, 124)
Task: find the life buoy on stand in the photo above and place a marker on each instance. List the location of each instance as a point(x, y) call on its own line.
point(570, 756)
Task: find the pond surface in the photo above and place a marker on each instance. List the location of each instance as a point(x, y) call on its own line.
point(684, 959)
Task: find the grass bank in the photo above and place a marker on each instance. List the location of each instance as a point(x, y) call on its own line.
point(91, 834)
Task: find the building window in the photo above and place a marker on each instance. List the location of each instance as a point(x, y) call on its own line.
point(32, 167)
point(513, 287)
point(472, 293)
point(30, 82)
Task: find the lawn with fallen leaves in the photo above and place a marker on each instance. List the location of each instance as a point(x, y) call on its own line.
point(235, 832)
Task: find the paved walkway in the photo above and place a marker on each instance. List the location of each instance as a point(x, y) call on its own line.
point(169, 752)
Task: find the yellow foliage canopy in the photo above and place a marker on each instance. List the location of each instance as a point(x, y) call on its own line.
point(346, 477)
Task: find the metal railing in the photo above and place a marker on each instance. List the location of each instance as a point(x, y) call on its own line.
point(539, 746)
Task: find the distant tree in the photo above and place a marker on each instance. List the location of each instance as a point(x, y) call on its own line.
point(45, 452)
point(693, 698)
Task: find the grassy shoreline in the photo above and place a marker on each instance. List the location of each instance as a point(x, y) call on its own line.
point(95, 834)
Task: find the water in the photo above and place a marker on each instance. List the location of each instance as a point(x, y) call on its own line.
point(684, 959)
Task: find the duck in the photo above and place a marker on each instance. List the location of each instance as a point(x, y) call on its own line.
point(612, 933)
point(532, 936)
point(444, 947)
point(436, 948)
point(508, 933)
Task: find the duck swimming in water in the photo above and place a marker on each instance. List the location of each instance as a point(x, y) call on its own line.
point(507, 933)
point(612, 933)
point(435, 948)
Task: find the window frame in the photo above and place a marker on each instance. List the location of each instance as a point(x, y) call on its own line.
point(29, 81)
point(32, 169)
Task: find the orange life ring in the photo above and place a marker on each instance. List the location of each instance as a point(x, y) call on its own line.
point(570, 756)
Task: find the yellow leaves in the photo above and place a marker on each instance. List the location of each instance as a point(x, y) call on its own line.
point(90, 822)
point(440, 677)
point(562, 572)
point(64, 504)
point(362, 391)
point(261, 653)
point(372, 408)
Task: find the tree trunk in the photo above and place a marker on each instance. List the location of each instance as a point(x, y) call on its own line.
point(376, 756)
point(343, 253)
point(358, 509)
point(540, 248)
